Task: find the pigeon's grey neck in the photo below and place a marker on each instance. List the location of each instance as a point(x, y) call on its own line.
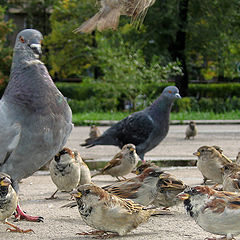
point(161, 105)
point(23, 57)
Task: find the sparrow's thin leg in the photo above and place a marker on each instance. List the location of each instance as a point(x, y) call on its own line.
point(53, 196)
point(17, 229)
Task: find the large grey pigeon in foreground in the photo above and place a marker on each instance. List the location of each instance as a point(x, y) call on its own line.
point(145, 129)
point(35, 119)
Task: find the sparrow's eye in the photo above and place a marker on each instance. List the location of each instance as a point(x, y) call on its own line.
point(21, 39)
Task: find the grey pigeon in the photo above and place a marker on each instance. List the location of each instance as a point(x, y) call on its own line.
point(145, 129)
point(35, 119)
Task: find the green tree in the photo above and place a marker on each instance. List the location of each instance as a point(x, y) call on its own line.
point(6, 27)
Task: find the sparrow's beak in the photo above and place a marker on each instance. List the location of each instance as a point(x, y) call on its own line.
point(196, 153)
point(5, 182)
point(177, 95)
point(183, 196)
point(132, 149)
point(76, 194)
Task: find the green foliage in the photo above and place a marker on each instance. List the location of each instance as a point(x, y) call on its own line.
point(70, 54)
point(6, 27)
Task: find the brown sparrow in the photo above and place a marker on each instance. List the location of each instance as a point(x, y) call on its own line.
point(168, 187)
point(141, 189)
point(217, 212)
point(231, 177)
point(110, 11)
point(94, 134)
point(143, 166)
point(191, 130)
point(210, 161)
point(151, 187)
point(122, 163)
point(8, 202)
point(85, 177)
point(65, 171)
point(107, 212)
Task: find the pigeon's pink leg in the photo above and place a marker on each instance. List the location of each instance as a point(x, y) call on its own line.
point(20, 214)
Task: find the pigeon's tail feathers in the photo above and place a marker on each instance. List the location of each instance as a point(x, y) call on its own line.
point(105, 19)
point(88, 142)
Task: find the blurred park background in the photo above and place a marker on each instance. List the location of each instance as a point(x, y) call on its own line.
point(193, 44)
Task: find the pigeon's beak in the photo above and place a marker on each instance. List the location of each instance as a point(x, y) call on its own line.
point(5, 182)
point(183, 196)
point(76, 194)
point(177, 95)
point(36, 49)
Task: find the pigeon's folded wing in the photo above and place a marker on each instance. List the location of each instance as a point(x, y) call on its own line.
point(9, 138)
point(137, 128)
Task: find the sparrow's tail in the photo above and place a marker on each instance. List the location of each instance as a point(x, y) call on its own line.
point(105, 19)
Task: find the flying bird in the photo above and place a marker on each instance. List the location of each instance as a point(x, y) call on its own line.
point(145, 129)
point(111, 10)
point(35, 119)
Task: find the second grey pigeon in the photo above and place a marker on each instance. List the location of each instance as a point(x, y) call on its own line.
point(145, 129)
point(35, 119)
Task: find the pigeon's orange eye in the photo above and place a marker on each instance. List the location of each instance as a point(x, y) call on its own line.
point(170, 91)
point(21, 39)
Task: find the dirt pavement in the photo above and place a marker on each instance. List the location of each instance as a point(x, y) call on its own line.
point(64, 223)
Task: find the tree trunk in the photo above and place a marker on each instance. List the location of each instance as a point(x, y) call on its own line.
point(178, 48)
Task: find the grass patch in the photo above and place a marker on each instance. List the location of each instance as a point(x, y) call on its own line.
point(94, 117)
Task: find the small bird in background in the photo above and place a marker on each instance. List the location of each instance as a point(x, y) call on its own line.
point(65, 171)
point(110, 12)
point(210, 161)
point(145, 129)
point(8, 202)
point(108, 214)
point(217, 212)
point(231, 177)
point(93, 134)
point(85, 177)
point(191, 130)
point(122, 163)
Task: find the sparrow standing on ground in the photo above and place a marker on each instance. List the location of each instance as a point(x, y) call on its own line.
point(217, 212)
point(191, 130)
point(122, 163)
point(110, 12)
point(210, 161)
point(141, 189)
point(108, 213)
point(85, 177)
point(94, 134)
point(65, 171)
point(8, 202)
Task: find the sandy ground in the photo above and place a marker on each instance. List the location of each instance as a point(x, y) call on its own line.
point(62, 223)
